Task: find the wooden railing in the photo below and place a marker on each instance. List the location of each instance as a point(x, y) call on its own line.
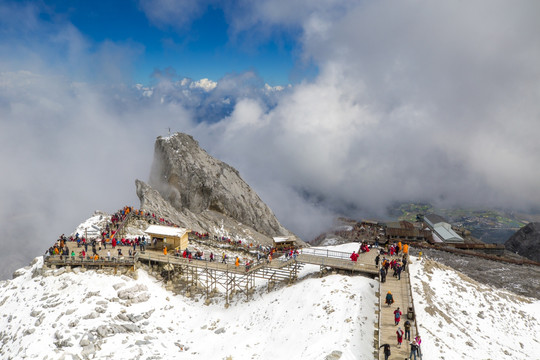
point(79, 260)
point(326, 253)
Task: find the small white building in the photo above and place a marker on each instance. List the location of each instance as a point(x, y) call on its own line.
point(169, 236)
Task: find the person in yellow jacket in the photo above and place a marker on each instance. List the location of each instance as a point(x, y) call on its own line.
point(164, 250)
point(405, 249)
point(237, 262)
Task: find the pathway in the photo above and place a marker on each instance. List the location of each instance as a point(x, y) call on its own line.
point(387, 327)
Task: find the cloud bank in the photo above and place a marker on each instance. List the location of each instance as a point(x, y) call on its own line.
point(413, 101)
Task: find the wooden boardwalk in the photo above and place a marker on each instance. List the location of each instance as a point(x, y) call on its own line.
point(339, 260)
point(368, 269)
point(387, 329)
point(335, 260)
point(210, 275)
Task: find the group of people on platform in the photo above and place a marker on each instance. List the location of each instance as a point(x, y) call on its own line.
point(397, 266)
point(188, 254)
point(415, 349)
point(364, 248)
point(199, 255)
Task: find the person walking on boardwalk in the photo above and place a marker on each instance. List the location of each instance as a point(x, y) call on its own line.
point(389, 298)
point(386, 264)
point(404, 262)
point(383, 275)
point(377, 259)
point(414, 350)
point(418, 340)
point(386, 351)
point(237, 262)
point(397, 316)
point(399, 334)
point(408, 330)
point(398, 271)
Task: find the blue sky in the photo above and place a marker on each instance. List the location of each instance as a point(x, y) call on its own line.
point(202, 47)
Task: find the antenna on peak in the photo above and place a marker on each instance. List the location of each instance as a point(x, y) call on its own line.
point(169, 131)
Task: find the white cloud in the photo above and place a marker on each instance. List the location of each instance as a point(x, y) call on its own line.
point(205, 84)
point(277, 88)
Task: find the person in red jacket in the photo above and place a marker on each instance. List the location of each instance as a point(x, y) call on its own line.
point(397, 316)
point(399, 334)
point(354, 256)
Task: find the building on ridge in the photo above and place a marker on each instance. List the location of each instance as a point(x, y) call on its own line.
point(406, 231)
point(169, 236)
point(442, 229)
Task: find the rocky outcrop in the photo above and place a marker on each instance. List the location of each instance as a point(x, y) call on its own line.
point(194, 190)
point(526, 241)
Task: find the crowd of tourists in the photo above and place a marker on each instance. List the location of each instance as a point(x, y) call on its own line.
point(261, 256)
point(394, 257)
point(90, 249)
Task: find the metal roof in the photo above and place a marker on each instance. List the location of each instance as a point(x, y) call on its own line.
point(444, 230)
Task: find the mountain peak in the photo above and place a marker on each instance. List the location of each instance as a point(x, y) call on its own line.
point(195, 188)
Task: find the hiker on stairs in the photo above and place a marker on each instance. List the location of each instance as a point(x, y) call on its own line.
point(389, 298)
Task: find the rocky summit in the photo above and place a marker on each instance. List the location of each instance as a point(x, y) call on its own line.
point(195, 190)
point(526, 242)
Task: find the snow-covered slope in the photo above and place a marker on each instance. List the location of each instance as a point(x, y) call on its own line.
point(460, 318)
point(69, 315)
point(65, 315)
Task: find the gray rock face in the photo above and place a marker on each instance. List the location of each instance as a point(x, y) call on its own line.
point(526, 241)
point(189, 178)
point(199, 192)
